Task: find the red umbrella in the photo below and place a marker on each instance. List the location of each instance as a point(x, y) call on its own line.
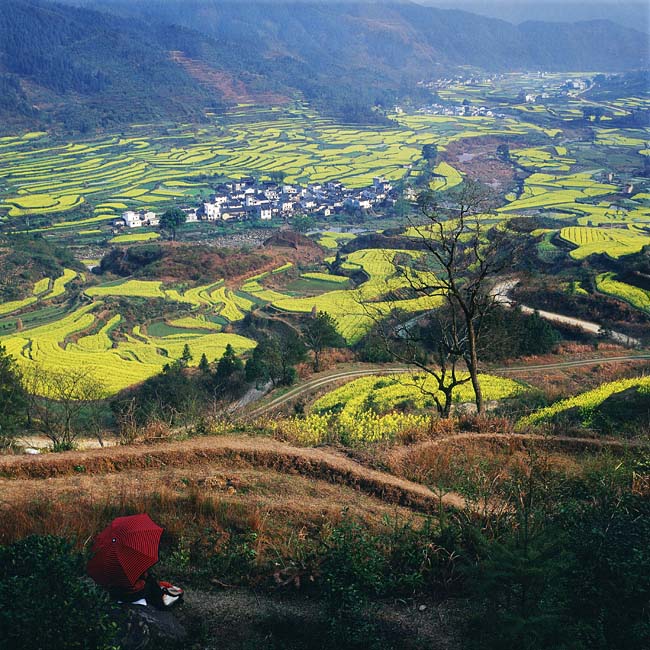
point(124, 551)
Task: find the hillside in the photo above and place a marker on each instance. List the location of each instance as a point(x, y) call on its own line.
point(82, 69)
point(395, 38)
point(139, 62)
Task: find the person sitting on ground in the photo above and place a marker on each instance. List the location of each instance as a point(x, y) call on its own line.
point(148, 591)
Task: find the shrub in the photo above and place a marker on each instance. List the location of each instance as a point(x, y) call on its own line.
point(45, 602)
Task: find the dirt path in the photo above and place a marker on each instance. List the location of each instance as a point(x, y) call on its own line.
point(319, 463)
point(335, 377)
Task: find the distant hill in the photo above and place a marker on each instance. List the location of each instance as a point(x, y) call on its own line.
point(169, 59)
point(634, 14)
point(395, 38)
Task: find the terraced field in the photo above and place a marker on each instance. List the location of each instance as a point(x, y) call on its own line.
point(221, 300)
point(44, 289)
point(82, 340)
point(370, 409)
point(549, 158)
point(586, 402)
point(611, 241)
point(639, 298)
point(351, 308)
point(384, 394)
point(333, 240)
point(131, 238)
point(146, 168)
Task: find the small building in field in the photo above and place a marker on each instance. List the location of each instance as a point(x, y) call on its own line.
point(133, 219)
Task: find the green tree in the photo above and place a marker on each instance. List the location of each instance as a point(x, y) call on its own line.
point(302, 223)
point(186, 356)
point(319, 333)
point(204, 364)
point(430, 153)
point(503, 152)
point(228, 375)
point(172, 220)
point(13, 400)
point(170, 396)
point(274, 359)
point(47, 602)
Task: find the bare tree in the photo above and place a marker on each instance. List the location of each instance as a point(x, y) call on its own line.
point(462, 256)
point(64, 404)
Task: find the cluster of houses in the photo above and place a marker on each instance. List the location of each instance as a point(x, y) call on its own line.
point(248, 198)
point(456, 110)
point(567, 88)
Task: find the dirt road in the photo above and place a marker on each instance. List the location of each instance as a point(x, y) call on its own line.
point(335, 377)
point(501, 294)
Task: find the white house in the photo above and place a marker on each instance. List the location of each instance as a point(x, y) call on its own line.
point(151, 219)
point(212, 211)
point(132, 219)
point(263, 211)
point(286, 207)
point(191, 216)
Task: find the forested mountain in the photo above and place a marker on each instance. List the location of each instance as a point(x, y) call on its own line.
point(137, 60)
point(83, 69)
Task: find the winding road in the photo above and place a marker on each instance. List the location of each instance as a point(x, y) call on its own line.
point(502, 289)
point(338, 376)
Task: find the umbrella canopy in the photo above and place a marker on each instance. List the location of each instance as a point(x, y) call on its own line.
point(124, 551)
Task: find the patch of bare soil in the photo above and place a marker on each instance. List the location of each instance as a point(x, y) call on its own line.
point(231, 89)
point(233, 619)
point(283, 500)
point(476, 158)
point(315, 463)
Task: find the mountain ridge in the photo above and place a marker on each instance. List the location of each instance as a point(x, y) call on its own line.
point(115, 62)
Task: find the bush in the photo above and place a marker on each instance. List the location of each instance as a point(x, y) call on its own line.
point(360, 567)
point(45, 602)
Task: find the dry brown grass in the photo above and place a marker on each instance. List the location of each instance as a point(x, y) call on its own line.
point(445, 460)
point(196, 504)
point(75, 493)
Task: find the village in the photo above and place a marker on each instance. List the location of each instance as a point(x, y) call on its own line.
point(252, 199)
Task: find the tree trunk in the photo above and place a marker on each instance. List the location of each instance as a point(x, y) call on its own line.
point(472, 366)
point(446, 407)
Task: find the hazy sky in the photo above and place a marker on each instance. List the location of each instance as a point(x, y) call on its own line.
point(634, 13)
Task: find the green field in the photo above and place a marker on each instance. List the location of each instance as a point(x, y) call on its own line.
point(44, 289)
point(611, 241)
point(586, 402)
point(351, 307)
point(130, 238)
point(147, 168)
point(81, 340)
point(384, 394)
point(639, 298)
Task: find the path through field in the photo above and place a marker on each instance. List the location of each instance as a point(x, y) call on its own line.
point(336, 377)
